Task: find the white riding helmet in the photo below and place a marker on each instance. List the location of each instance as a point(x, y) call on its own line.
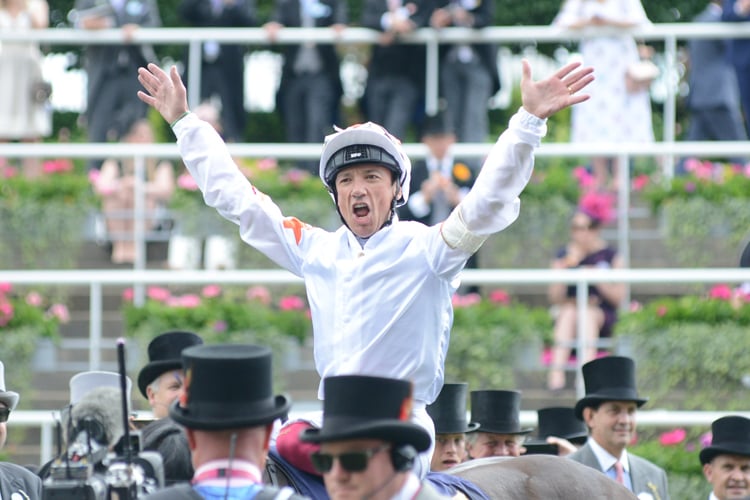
point(364, 143)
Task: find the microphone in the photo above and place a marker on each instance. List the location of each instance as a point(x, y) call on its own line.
point(96, 424)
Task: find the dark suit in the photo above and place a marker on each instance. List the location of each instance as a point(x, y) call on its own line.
point(15, 480)
point(112, 71)
point(739, 54)
point(714, 98)
point(222, 67)
point(309, 98)
point(396, 71)
point(421, 173)
point(645, 476)
point(467, 85)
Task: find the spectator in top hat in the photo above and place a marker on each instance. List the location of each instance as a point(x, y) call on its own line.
point(559, 427)
point(726, 462)
point(500, 434)
point(161, 379)
point(15, 481)
point(368, 446)
point(8, 403)
point(228, 409)
point(448, 413)
point(609, 410)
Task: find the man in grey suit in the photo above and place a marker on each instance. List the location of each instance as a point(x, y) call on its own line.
point(726, 462)
point(714, 98)
point(609, 410)
point(738, 11)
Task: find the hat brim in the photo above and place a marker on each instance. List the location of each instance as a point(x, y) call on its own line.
point(457, 429)
point(500, 430)
point(10, 399)
point(387, 430)
point(595, 400)
point(710, 452)
point(152, 370)
point(217, 423)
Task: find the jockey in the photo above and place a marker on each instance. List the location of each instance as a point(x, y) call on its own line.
point(379, 289)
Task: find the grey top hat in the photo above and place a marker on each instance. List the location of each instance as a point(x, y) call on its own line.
point(730, 436)
point(611, 378)
point(448, 411)
point(497, 411)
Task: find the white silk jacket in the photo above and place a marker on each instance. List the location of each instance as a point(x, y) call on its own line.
point(383, 309)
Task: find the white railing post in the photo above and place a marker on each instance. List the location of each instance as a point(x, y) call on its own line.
point(95, 324)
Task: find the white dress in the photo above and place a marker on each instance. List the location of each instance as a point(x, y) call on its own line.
point(612, 114)
point(20, 67)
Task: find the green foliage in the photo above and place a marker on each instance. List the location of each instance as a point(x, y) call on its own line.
point(220, 318)
point(687, 352)
point(487, 339)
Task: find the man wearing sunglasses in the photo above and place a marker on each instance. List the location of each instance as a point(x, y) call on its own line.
point(367, 443)
point(15, 481)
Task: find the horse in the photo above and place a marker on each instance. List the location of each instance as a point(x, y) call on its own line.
point(529, 477)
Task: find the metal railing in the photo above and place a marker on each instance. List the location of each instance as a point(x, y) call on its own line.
point(96, 280)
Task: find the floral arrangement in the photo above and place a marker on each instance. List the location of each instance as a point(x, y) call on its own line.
point(30, 311)
point(712, 181)
point(218, 314)
point(686, 349)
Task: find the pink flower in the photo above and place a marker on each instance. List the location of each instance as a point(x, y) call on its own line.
point(704, 170)
point(220, 326)
point(267, 164)
point(6, 312)
point(10, 172)
point(128, 294)
point(721, 292)
point(60, 312)
point(635, 306)
point(55, 166)
point(34, 299)
point(467, 300)
point(5, 287)
point(190, 301)
point(689, 187)
point(186, 181)
point(258, 294)
point(692, 164)
point(661, 311)
point(211, 291)
point(746, 170)
point(296, 176)
point(584, 177)
point(706, 439)
point(640, 182)
point(672, 438)
point(291, 303)
point(499, 297)
point(158, 294)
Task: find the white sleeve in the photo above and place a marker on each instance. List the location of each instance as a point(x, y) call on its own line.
point(225, 188)
point(493, 204)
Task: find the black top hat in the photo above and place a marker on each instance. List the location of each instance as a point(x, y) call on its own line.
point(439, 123)
point(448, 411)
point(359, 406)
point(611, 378)
point(227, 386)
point(560, 421)
point(497, 412)
point(731, 436)
point(164, 355)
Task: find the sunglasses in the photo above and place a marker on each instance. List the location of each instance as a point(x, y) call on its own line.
point(4, 414)
point(350, 461)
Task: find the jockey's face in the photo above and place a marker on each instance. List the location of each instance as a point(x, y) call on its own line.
point(450, 450)
point(612, 425)
point(729, 475)
point(488, 444)
point(378, 481)
point(365, 193)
